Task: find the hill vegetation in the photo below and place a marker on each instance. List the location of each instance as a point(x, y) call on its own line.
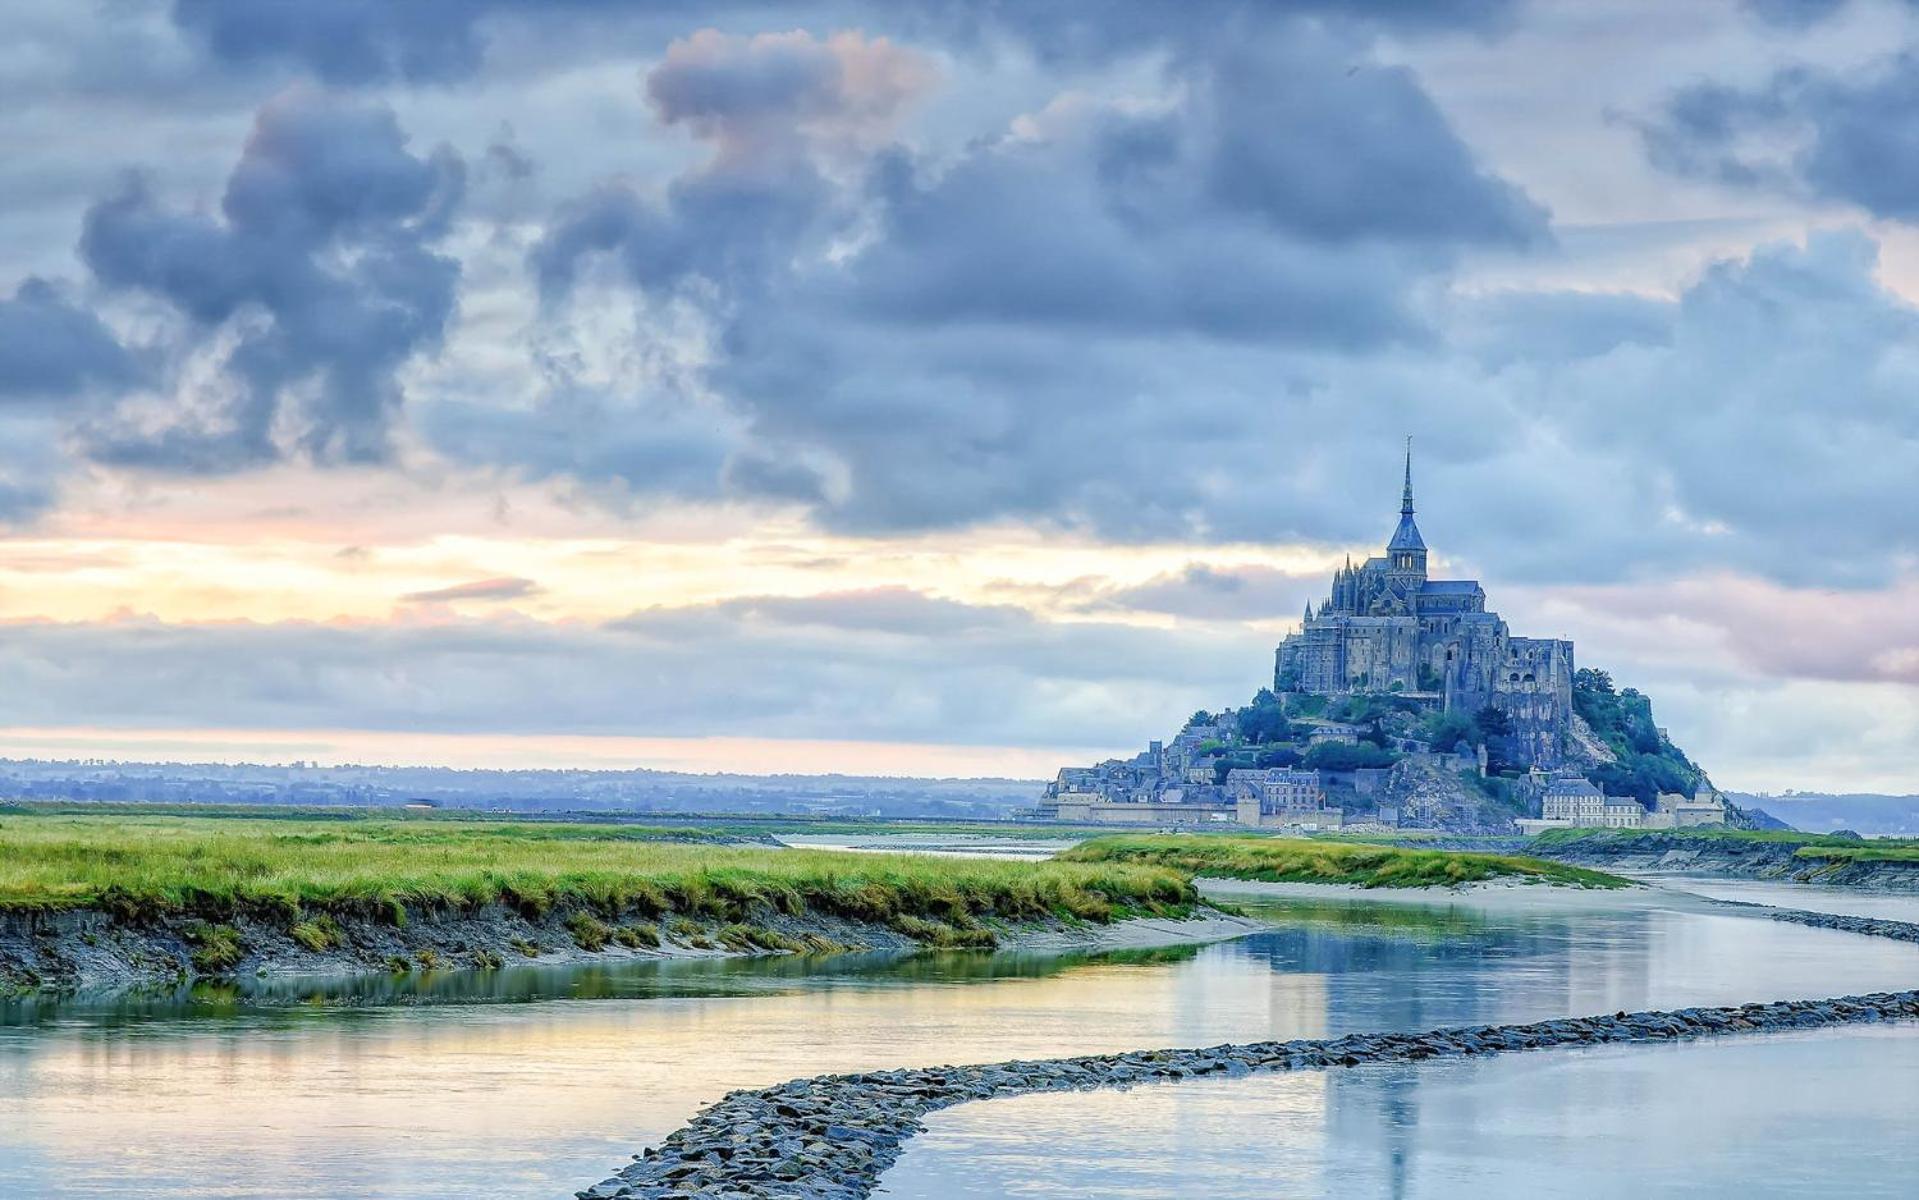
point(1646, 762)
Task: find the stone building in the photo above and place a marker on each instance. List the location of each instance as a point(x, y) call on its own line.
point(1387, 627)
point(1280, 797)
point(1570, 802)
point(1574, 801)
point(1675, 811)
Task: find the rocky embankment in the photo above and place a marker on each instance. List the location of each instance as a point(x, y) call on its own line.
point(1735, 857)
point(1904, 931)
point(831, 1136)
point(92, 949)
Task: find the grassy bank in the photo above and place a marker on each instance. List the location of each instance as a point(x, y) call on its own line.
point(1294, 860)
point(1805, 845)
point(153, 866)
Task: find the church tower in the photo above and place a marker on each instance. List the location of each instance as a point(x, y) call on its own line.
point(1406, 553)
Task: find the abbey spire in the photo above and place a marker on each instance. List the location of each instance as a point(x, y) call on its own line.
point(1407, 551)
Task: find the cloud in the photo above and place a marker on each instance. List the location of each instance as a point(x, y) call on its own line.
point(1835, 136)
point(1793, 14)
point(776, 111)
point(1783, 633)
point(1014, 331)
point(1222, 593)
point(1505, 328)
point(503, 588)
point(364, 42)
point(345, 41)
point(891, 666)
point(313, 288)
point(51, 348)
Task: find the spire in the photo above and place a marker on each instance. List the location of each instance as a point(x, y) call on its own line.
point(1406, 538)
point(1309, 610)
point(1406, 499)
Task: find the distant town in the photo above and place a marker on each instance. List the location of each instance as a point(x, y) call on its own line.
point(520, 791)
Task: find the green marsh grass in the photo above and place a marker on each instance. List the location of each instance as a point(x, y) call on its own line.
point(143, 867)
point(1299, 860)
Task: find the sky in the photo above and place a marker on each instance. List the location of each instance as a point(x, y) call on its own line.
point(956, 388)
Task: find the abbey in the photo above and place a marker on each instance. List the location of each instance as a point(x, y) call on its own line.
point(1386, 627)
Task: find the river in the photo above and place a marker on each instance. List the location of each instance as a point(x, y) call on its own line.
point(533, 1082)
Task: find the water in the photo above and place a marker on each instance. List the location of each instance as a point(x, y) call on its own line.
point(1810, 896)
point(534, 1082)
point(951, 845)
point(1826, 1114)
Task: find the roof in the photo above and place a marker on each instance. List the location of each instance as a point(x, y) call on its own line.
point(1406, 537)
point(1571, 785)
point(1450, 587)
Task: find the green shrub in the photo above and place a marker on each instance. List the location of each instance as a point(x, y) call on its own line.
point(217, 949)
point(589, 932)
point(944, 936)
point(637, 936)
point(318, 935)
point(487, 960)
point(528, 948)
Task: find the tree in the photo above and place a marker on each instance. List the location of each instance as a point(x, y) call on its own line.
point(1202, 717)
point(1345, 756)
point(1586, 679)
point(1444, 730)
point(1264, 722)
point(1492, 722)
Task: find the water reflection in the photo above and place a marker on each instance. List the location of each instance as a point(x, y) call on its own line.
point(631, 980)
point(1834, 1113)
point(536, 1081)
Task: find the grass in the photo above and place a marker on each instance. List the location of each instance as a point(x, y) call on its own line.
point(1816, 846)
point(1298, 860)
point(640, 935)
point(217, 949)
point(1855, 852)
point(320, 934)
point(292, 872)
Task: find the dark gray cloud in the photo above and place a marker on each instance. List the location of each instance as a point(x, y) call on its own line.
point(1233, 593)
point(1504, 328)
point(343, 41)
point(875, 666)
point(771, 109)
point(439, 41)
point(320, 271)
point(505, 587)
point(1851, 137)
point(1794, 14)
point(1771, 431)
point(52, 348)
point(1015, 332)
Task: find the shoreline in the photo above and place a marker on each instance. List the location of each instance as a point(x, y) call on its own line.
point(60, 952)
point(1504, 894)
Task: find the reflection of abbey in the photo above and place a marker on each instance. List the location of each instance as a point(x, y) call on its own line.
point(1388, 628)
